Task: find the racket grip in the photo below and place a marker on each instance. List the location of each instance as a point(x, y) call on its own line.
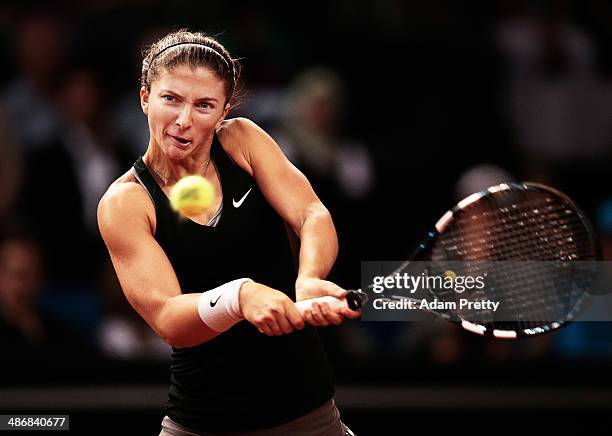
point(334, 303)
point(353, 301)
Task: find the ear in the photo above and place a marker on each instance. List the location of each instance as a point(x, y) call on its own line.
point(144, 100)
point(226, 110)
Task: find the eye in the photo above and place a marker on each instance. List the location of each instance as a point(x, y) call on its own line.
point(168, 98)
point(204, 105)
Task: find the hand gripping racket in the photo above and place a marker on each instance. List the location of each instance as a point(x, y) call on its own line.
point(528, 237)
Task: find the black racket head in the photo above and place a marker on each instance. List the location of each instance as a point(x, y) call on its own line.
point(526, 239)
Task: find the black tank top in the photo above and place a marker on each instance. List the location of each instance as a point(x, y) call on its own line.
point(242, 379)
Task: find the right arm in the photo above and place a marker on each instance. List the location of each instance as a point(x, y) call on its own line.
point(150, 283)
point(144, 271)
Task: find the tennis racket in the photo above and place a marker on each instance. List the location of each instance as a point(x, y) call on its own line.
point(527, 238)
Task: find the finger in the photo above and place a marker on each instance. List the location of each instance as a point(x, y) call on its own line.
point(294, 317)
point(263, 328)
point(330, 316)
point(335, 291)
point(351, 314)
point(274, 327)
point(308, 317)
point(317, 315)
point(284, 324)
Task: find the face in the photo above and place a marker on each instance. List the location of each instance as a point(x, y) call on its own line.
point(184, 107)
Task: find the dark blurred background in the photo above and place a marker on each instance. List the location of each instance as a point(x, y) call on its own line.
point(394, 110)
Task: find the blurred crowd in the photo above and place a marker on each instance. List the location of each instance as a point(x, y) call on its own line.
point(393, 110)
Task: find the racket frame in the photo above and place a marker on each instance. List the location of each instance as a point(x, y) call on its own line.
point(358, 297)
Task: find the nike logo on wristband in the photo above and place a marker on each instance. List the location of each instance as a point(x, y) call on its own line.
point(213, 303)
point(238, 203)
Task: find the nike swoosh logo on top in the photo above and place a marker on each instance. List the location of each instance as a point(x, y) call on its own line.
point(214, 303)
point(238, 203)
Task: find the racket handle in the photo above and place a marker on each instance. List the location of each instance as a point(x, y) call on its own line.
point(334, 303)
point(353, 301)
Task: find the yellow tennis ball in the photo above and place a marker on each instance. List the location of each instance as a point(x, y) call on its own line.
point(451, 275)
point(192, 195)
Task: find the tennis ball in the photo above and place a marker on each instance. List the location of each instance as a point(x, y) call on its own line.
point(451, 275)
point(191, 195)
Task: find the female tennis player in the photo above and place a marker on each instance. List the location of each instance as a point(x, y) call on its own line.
point(220, 287)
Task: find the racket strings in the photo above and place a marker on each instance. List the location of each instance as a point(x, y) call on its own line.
point(489, 234)
point(531, 232)
point(523, 229)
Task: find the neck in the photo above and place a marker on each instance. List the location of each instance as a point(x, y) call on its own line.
point(172, 170)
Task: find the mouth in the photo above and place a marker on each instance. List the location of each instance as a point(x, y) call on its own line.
point(181, 142)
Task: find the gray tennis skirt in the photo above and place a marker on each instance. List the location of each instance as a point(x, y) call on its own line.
point(322, 421)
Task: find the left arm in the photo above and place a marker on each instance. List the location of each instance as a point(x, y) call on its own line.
point(289, 192)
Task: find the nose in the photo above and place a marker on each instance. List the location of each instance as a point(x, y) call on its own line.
point(183, 121)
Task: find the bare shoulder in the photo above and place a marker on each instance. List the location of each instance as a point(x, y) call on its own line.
point(239, 136)
point(125, 203)
point(122, 191)
point(237, 128)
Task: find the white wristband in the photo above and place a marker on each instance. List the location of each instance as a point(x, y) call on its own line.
point(219, 308)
